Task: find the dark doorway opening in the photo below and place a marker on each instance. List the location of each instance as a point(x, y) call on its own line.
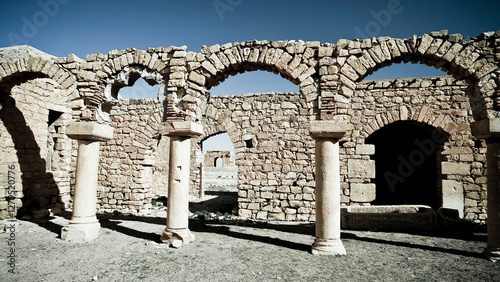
point(406, 161)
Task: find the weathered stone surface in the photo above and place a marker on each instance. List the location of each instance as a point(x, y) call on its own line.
point(455, 168)
point(365, 149)
point(453, 196)
point(361, 168)
point(364, 193)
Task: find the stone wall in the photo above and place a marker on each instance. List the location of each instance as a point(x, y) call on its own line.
point(212, 157)
point(275, 154)
point(32, 134)
point(132, 165)
point(273, 151)
point(440, 102)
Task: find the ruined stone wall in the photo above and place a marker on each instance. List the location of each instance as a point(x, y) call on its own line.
point(440, 102)
point(32, 134)
point(211, 158)
point(129, 164)
point(276, 179)
point(273, 152)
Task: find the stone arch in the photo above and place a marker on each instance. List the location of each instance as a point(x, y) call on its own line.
point(462, 59)
point(123, 68)
point(212, 158)
point(422, 114)
point(35, 146)
point(127, 76)
point(24, 63)
point(296, 61)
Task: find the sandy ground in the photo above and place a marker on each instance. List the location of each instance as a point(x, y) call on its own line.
point(128, 249)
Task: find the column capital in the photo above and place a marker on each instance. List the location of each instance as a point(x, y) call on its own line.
point(327, 129)
point(85, 130)
point(181, 128)
point(486, 128)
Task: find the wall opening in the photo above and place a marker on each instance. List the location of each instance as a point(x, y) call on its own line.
point(219, 181)
point(218, 162)
point(254, 82)
point(139, 89)
point(406, 163)
point(52, 139)
point(403, 70)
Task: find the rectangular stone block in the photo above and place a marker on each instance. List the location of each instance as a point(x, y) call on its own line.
point(453, 196)
point(455, 168)
point(365, 149)
point(361, 168)
point(362, 192)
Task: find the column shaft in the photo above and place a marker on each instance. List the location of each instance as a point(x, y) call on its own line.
point(84, 203)
point(177, 232)
point(178, 192)
point(327, 189)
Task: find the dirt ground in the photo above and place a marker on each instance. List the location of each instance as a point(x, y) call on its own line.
point(128, 249)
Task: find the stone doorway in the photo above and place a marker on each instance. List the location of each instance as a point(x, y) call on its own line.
point(407, 158)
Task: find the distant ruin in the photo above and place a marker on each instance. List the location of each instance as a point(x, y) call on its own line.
point(70, 140)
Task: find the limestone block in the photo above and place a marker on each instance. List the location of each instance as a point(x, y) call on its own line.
point(362, 192)
point(89, 131)
point(325, 51)
point(80, 233)
point(361, 168)
point(209, 67)
point(181, 128)
point(327, 129)
point(455, 168)
point(453, 196)
point(365, 149)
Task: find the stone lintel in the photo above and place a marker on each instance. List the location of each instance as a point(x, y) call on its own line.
point(85, 130)
point(327, 129)
point(181, 128)
point(486, 128)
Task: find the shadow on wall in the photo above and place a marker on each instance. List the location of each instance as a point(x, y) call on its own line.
point(39, 188)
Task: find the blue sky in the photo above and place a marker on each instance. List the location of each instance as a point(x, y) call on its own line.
point(60, 27)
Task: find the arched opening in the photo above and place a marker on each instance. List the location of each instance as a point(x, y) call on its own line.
point(406, 163)
point(139, 89)
point(217, 178)
point(269, 124)
point(218, 162)
point(254, 82)
point(403, 70)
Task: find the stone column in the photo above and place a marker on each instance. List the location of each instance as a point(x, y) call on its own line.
point(327, 133)
point(489, 129)
point(84, 225)
point(177, 232)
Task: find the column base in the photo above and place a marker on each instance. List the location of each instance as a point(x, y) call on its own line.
point(328, 247)
point(177, 237)
point(492, 253)
point(80, 232)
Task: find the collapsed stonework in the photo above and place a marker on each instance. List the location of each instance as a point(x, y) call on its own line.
point(299, 156)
